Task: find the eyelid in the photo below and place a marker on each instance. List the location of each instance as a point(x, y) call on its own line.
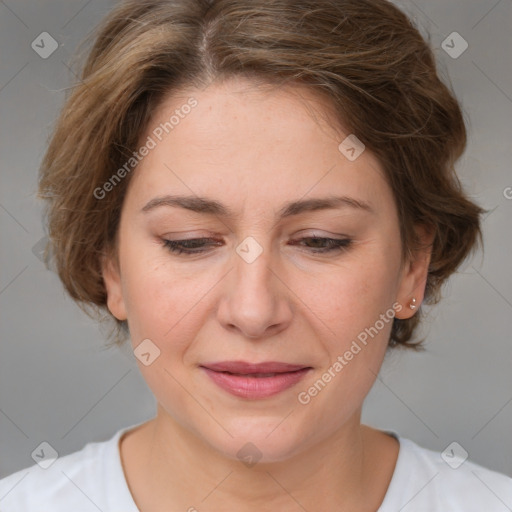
point(335, 245)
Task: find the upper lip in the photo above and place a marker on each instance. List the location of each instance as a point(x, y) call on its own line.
point(248, 368)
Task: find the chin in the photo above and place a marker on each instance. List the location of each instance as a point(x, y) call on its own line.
point(258, 439)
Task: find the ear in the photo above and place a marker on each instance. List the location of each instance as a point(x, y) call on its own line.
point(112, 279)
point(414, 274)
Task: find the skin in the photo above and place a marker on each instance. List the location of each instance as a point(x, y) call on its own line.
point(253, 150)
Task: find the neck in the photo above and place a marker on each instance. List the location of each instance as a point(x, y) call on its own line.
point(170, 468)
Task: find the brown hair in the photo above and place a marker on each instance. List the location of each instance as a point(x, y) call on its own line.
point(365, 56)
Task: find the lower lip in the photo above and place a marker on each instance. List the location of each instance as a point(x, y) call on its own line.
point(255, 387)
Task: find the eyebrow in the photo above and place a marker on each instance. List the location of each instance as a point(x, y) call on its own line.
point(209, 206)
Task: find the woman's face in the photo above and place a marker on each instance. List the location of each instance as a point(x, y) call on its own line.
point(266, 287)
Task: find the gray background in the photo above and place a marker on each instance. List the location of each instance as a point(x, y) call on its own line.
point(59, 384)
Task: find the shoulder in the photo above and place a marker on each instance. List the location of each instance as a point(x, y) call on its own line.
point(72, 482)
point(427, 480)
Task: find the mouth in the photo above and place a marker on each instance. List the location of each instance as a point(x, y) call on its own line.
point(254, 380)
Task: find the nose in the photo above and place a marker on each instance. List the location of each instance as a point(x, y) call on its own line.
point(255, 300)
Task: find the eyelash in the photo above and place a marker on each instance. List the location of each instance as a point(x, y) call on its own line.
point(179, 246)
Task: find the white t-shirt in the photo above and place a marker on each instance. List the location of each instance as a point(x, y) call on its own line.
point(92, 480)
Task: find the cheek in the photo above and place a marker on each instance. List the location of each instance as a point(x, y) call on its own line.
point(352, 296)
point(154, 297)
point(160, 307)
point(164, 303)
point(353, 315)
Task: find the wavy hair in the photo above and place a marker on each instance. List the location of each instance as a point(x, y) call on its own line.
point(365, 57)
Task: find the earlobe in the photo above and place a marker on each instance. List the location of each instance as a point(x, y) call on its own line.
point(113, 287)
point(408, 308)
point(415, 273)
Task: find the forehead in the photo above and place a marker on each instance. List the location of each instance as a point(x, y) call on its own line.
point(239, 110)
point(253, 145)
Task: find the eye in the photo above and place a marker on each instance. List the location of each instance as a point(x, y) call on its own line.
point(324, 245)
point(200, 245)
point(189, 246)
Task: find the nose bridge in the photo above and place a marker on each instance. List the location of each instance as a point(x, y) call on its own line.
point(253, 275)
point(252, 264)
point(253, 301)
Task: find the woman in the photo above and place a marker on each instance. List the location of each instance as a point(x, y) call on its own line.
point(262, 195)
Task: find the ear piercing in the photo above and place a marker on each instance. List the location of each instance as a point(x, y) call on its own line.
point(412, 305)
